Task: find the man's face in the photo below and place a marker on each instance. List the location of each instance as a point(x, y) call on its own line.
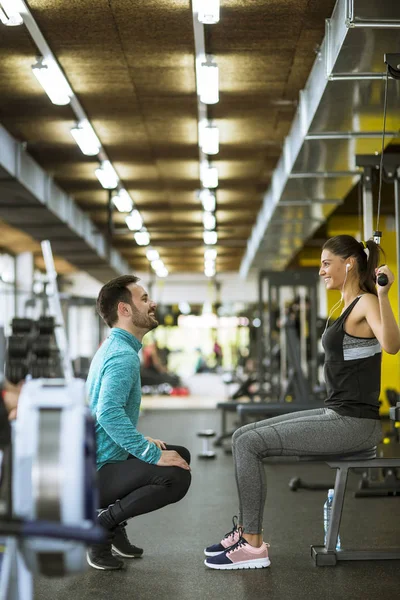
point(143, 309)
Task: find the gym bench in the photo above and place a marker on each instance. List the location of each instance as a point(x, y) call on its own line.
point(328, 555)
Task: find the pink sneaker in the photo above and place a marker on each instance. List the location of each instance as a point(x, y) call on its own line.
point(240, 556)
point(228, 540)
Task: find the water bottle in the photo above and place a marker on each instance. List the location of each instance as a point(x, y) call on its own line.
point(327, 516)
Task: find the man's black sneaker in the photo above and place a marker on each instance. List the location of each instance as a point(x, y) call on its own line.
point(121, 544)
point(99, 556)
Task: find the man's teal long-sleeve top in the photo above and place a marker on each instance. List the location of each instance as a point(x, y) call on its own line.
point(114, 390)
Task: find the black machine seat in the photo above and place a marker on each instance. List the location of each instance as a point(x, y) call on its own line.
point(368, 454)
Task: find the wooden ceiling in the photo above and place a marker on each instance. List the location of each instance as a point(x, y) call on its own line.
point(131, 64)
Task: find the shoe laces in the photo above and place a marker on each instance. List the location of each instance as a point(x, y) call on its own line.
point(234, 528)
point(241, 541)
point(121, 528)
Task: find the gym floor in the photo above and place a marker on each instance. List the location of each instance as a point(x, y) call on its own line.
point(173, 538)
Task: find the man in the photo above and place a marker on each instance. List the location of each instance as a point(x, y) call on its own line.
point(136, 474)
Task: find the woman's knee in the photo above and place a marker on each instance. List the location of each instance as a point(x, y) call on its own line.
point(237, 435)
point(241, 436)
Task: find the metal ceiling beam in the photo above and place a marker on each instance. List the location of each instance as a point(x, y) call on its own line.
point(334, 114)
point(30, 182)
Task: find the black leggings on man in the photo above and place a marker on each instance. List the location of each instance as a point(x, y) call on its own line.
point(134, 487)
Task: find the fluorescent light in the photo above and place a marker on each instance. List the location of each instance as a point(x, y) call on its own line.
point(53, 81)
point(208, 82)
point(208, 137)
point(208, 200)
point(209, 264)
point(210, 237)
point(162, 272)
point(123, 201)
point(152, 254)
point(86, 138)
point(210, 254)
point(10, 15)
point(209, 221)
point(142, 238)
point(208, 11)
point(107, 175)
point(134, 221)
point(157, 264)
point(209, 272)
point(208, 175)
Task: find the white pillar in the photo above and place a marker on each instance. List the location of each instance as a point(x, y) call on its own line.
point(24, 269)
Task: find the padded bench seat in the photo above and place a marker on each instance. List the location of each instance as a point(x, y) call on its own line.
point(328, 555)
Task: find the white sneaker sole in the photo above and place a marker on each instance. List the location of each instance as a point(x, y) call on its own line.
point(119, 553)
point(101, 568)
point(258, 563)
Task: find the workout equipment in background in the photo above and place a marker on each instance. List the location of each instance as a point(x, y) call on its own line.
point(272, 367)
point(287, 368)
point(388, 167)
point(48, 487)
point(206, 435)
point(48, 519)
point(40, 348)
point(32, 350)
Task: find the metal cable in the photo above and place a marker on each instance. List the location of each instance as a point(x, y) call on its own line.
point(378, 212)
point(360, 222)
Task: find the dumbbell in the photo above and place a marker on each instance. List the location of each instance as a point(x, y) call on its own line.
point(382, 279)
point(206, 435)
point(22, 325)
point(46, 325)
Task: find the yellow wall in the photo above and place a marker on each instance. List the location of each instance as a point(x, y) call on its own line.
point(390, 364)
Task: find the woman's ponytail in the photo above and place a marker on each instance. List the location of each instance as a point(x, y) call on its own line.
point(367, 267)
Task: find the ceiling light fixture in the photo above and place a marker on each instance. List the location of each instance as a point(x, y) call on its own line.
point(157, 264)
point(209, 272)
point(9, 14)
point(122, 201)
point(134, 221)
point(210, 238)
point(208, 175)
point(208, 81)
point(107, 176)
point(208, 200)
point(208, 11)
point(210, 254)
point(209, 264)
point(86, 138)
point(162, 272)
point(52, 80)
point(208, 137)
point(152, 254)
point(209, 220)
point(142, 238)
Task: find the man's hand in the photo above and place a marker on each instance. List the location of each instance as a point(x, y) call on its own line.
point(159, 443)
point(170, 458)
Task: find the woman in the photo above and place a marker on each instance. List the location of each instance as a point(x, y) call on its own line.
point(350, 422)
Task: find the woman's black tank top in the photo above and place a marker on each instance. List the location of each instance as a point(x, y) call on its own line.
point(352, 370)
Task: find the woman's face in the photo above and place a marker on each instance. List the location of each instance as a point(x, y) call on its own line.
point(333, 270)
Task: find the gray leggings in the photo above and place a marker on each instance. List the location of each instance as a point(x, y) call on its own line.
point(307, 432)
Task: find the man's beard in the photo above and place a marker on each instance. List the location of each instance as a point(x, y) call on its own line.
point(142, 321)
